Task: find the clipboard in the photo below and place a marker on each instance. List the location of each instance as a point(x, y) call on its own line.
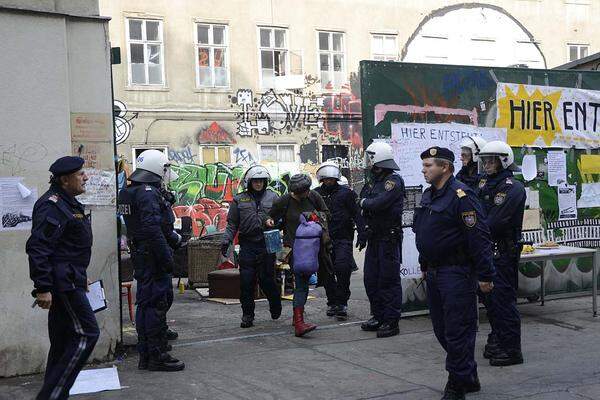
point(96, 296)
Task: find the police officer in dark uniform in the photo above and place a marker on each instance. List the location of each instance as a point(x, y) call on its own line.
point(454, 253)
point(341, 202)
point(59, 251)
point(248, 215)
point(503, 199)
point(381, 201)
point(469, 156)
point(149, 227)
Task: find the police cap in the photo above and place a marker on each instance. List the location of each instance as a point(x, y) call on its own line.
point(66, 165)
point(438, 152)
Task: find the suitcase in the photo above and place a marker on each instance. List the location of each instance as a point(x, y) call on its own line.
point(225, 284)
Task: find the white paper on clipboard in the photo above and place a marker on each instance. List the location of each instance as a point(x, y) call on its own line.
point(96, 296)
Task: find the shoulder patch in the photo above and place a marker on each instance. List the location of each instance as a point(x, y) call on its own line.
point(389, 185)
point(482, 183)
point(148, 188)
point(499, 198)
point(469, 218)
point(460, 193)
point(53, 198)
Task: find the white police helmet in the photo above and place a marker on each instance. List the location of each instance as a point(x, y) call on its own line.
point(501, 150)
point(153, 166)
point(380, 154)
point(328, 169)
point(475, 144)
point(343, 181)
point(256, 172)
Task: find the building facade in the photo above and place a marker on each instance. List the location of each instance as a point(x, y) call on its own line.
point(220, 85)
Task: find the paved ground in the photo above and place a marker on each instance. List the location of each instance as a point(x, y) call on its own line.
point(338, 361)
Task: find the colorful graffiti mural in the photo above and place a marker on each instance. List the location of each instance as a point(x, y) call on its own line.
point(203, 192)
point(214, 134)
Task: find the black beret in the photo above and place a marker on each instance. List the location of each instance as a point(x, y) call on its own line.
point(438, 152)
point(66, 165)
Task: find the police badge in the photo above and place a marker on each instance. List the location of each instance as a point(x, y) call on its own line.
point(389, 185)
point(469, 218)
point(499, 198)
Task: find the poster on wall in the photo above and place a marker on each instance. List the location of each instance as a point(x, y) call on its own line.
point(94, 127)
point(16, 204)
point(409, 140)
point(548, 116)
point(567, 202)
point(557, 167)
point(100, 188)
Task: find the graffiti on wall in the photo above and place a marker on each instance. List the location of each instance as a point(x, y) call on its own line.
point(122, 121)
point(243, 156)
point(183, 155)
point(271, 112)
point(215, 134)
point(203, 192)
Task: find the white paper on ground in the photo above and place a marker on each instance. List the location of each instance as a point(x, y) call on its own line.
point(529, 167)
point(96, 380)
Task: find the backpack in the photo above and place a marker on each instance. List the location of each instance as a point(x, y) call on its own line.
point(306, 248)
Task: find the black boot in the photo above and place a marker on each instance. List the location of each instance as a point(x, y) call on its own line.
point(276, 312)
point(490, 350)
point(247, 321)
point(163, 362)
point(331, 310)
point(171, 335)
point(388, 329)
point(473, 386)
point(371, 325)
point(143, 361)
point(342, 313)
point(166, 347)
point(453, 391)
point(506, 358)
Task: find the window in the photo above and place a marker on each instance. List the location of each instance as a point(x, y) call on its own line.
point(273, 55)
point(384, 48)
point(214, 154)
point(145, 52)
point(277, 152)
point(577, 51)
point(331, 59)
point(212, 65)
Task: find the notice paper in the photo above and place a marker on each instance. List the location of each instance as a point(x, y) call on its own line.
point(590, 195)
point(567, 202)
point(557, 168)
point(96, 296)
point(96, 380)
point(16, 204)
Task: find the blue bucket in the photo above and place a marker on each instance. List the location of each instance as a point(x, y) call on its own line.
point(273, 241)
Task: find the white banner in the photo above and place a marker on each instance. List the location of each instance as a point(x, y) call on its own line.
point(548, 116)
point(409, 140)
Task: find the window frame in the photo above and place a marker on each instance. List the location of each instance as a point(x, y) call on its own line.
point(211, 46)
point(579, 47)
point(330, 53)
point(145, 43)
point(216, 153)
point(277, 157)
point(273, 48)
point(384, 56)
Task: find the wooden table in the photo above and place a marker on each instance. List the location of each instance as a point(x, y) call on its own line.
point(545, 255)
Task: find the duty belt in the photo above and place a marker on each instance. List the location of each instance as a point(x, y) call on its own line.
point(454, 259)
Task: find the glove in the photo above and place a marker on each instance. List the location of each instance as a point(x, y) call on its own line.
point(361, 242)
point(224, 249)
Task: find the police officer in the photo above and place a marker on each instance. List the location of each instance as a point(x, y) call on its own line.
point(469, 156)
point(503, 199)
point(341, 202)
point(149, 227)
point(59, 251)
point(454, 253)
point(381, 201)
point(248, 214)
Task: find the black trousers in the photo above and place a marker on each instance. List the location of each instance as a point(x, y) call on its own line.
point(337, 286)
point(73, 332)
point(256, 263)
